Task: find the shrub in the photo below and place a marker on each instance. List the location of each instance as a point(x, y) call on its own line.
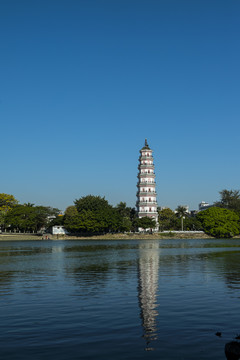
point(219, 222)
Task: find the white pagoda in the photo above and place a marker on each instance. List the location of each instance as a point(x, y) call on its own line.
point(146, 194)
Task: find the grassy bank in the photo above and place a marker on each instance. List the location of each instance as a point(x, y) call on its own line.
point(23, 237)
point(120, 236)
point(156, 236)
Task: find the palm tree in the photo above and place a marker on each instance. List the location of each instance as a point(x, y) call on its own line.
point(181, 211)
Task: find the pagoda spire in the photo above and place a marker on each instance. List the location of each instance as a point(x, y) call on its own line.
point(146, 146)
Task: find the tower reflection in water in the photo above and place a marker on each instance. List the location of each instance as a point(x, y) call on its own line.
point(148, 267)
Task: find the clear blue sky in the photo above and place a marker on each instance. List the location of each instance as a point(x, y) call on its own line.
point(84, 82)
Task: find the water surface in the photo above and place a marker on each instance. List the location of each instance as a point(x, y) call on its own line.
point(158, 299)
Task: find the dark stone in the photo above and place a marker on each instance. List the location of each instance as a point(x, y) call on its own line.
point(232, 350)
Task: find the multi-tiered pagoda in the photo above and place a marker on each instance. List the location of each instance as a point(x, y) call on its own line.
point(146, 195)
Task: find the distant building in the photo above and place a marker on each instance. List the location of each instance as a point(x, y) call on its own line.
point(204, 205)
point(58, 230)
point(146, 194)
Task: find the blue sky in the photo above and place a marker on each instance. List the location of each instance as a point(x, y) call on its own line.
point(83, 83)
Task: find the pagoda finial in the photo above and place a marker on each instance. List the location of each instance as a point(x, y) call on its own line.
point(146, 145)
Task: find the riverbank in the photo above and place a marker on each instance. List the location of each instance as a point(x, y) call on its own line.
point(119, 236)
point(142, 236)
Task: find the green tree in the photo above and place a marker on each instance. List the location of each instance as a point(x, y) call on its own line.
point(94, 215)
point(123, 210)
point(145, 223)
point(181, 212)
point(92, 222)
point(71, 219)
point(166, 219)
point(2, 218)
point(71, 211)
point(229, 199)
point(124, 217)
point(82, 222)
point(192, 223)
point(125, 225)
point(29, 218)
point(219, 222)
point(92, 203)
point(7, 202)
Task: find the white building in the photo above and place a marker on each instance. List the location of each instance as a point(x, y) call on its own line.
point(146, 194)
point(59, 230)
point(204, 205)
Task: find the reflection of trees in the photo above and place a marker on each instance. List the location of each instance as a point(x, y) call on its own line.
point(96, 247)
point(6, 278)
point(90, 277)
point(147, 289)
point(24, 262)
point(228, 264)
point(91, 265)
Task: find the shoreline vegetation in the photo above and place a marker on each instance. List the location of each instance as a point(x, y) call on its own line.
point(118, 236)
point(93, 215)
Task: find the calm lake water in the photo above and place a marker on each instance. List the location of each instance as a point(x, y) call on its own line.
point(161, 299)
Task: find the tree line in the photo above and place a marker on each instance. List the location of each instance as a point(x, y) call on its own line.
point(94, 215)
point(24, 217)
point(89, 215)
point(221, 220)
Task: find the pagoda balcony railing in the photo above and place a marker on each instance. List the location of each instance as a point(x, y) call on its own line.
point(144, 166)
point(146, 174)
point(139, 193)
point(146, 183)
point(147, 212)
point(145, 157)
point(141, 203)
